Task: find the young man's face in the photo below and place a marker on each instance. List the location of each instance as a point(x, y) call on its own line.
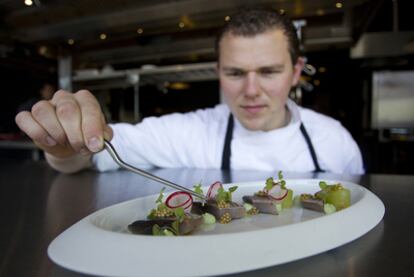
point(256, 75)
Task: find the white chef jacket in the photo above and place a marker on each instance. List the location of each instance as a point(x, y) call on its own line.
point(196, 139)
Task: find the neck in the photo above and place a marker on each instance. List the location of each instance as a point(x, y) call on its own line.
point(281, 121)
point(287, 117)
point(284, 120)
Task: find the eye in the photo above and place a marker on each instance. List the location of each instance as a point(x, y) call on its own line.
point(234, 73)
point(268, 71)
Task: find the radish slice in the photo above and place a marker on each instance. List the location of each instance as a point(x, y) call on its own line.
point(277, 192)
point(212, 190)
point(179, 199)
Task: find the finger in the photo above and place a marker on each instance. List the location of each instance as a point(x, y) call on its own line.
point(34, 130)
point(60, 95)
point(92, 125)
point(69, 115)
point(44, 114)
point(108, 132)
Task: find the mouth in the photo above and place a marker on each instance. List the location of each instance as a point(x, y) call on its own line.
point(253, 109)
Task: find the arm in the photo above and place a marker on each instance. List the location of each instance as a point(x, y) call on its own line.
point(69, 128)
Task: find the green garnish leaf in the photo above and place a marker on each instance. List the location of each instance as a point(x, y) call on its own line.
point(221, 195)
point(176, 227)
point(269, 183)
point(199, 190)
point(280, 175)
point(161, 196)
point(179, 213)
point(281, 181)
point(163, 231)
point(323, 185)
point(233, 189)
point(156, 230)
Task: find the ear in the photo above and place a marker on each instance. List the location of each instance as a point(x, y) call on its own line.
point(297, 70)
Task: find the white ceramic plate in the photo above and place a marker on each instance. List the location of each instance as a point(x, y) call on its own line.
point(101, 245)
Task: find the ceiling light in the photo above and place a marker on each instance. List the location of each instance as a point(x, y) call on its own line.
point(178, 85)
point(42, 50)
point(282, 11)
point(140, 30)
point(28, 2)
point(316, 82)
point(181, 25)
point(320, 12)
point(71, 41)
point(322, 69)
point(338, 5)
point(102, 36)
point(227, 18)
point(187, 22)
point(45, 51)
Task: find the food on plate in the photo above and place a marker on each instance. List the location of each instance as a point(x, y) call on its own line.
point(273, 198)
point(334, 194)
point(310, 202)
point(219, 203)
point(167, 226)
point(179, 215)
point(169, 218)
point(329, 199)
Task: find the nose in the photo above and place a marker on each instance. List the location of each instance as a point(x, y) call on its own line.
point(251, 84)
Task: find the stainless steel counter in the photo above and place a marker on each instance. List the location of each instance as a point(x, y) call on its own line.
point(37, 204)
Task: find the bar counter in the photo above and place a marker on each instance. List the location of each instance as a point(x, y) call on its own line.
point(38, 203)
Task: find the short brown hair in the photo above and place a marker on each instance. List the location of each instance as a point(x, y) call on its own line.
point(249, 23)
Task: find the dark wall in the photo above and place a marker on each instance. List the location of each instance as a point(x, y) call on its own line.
point(338, 91)
point(16, 87)
point(22, 73)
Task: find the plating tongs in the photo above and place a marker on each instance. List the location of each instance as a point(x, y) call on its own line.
point(111, 150)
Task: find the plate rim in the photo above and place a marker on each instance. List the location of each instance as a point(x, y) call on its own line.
point(86, 223)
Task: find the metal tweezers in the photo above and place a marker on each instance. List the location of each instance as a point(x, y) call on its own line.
point(111, 150)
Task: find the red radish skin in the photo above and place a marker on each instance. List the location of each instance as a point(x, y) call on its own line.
point(212, 190)
point(277, 192)
point(179, 199)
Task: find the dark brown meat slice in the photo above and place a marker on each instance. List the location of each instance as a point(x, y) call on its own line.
point(235, 210)
point(144, 227)
point(263, 203)
point(313, 204)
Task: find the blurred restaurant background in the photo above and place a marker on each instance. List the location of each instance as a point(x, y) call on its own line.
point(154, 57)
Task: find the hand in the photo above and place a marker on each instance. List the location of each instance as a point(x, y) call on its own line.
point(68, 124)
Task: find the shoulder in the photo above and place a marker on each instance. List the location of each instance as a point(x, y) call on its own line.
point(317, 121)
point(333, 141)
point(321, 127)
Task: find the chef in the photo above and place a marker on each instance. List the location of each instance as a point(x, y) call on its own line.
point(256, 128)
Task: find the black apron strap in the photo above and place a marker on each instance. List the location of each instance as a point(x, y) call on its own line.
point(225, 160)
point(310, 147)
